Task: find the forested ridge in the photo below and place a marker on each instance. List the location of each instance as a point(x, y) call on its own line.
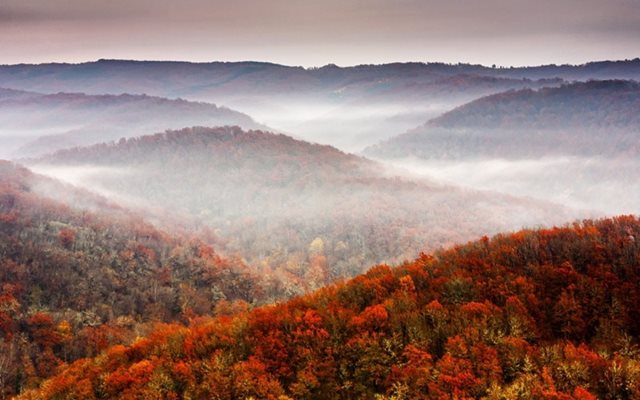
point(76, 280)
point(594, 118)
point(67, 120)
point(305, 212)
point(538, 314)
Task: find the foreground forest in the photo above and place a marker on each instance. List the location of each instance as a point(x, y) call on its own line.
point(539, 314)
point(76, 280)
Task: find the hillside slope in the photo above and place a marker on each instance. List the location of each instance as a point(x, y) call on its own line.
point(74, 280)
point(308, 211)
point(346, 107)
point(546, 314)
point(577, 144)
point(51, 122)
point(581, 119)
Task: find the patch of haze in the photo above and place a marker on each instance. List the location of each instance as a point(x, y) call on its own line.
point(348, 127)
point(590, 186)
point(88, 177)
point(13, 138)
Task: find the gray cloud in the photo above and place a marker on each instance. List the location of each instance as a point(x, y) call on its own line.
point(316, 32)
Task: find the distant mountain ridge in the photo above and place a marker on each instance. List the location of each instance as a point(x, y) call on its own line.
point(581, 118)
point(576, 144)
point(79, 119)
point(236, 80)
point(214, 74)
point(349, 108)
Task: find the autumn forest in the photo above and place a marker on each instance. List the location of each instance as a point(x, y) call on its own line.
point(259, 230)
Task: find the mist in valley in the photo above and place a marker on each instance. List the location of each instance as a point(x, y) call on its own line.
point(475, 167)
point(341, 199)
point(590, 186)
point(287, 206)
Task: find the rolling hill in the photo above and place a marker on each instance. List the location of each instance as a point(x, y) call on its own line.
point(74, 280)
point(346, 107)
point(42, 123)
point(576, 144)
point(580, 119)
point(542, 314)
point(295, 209)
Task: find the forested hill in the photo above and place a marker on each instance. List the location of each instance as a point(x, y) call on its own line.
point(75, 280)
point(49, 122)
point(305, 212)
point(586, 105)
point(189, 79)
point(539, 314)
point(579, 119)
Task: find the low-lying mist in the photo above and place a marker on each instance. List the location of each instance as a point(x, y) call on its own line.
point(277, 201)
point(592, 186)
point(348, 127)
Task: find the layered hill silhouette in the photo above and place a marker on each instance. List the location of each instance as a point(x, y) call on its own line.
point(567, 142)
point(345, 107)
point(538, 314)
point(301, 210)
point(74, 280)
point(48, 122)
point(173, 79)
point(582, 119)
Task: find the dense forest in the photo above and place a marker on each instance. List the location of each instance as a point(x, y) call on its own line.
point(538, 314)
point(74, 281)
point(308, 213)
point(49, 122)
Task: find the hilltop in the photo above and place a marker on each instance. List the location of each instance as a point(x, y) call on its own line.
point(49, 122)
point(308, 211)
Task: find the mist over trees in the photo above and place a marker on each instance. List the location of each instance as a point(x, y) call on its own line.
point(75, 281)
point(43, 123)
point(576, 144)
point(538, 314)
point(223, 259)
point(272, 197)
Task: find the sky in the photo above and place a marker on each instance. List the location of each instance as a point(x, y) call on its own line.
point(319, 32)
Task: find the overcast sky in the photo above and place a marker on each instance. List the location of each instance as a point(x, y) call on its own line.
point(318, 32)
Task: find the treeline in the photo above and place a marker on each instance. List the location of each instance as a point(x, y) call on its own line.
point(544, 314)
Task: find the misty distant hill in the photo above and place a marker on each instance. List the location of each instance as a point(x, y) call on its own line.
point(345, 107)
point(575, 144)
point(43, 123)
point(294, 208)
point(586, 118)
point(172, 79)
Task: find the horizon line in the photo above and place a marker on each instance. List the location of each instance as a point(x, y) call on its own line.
point(328, 65)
